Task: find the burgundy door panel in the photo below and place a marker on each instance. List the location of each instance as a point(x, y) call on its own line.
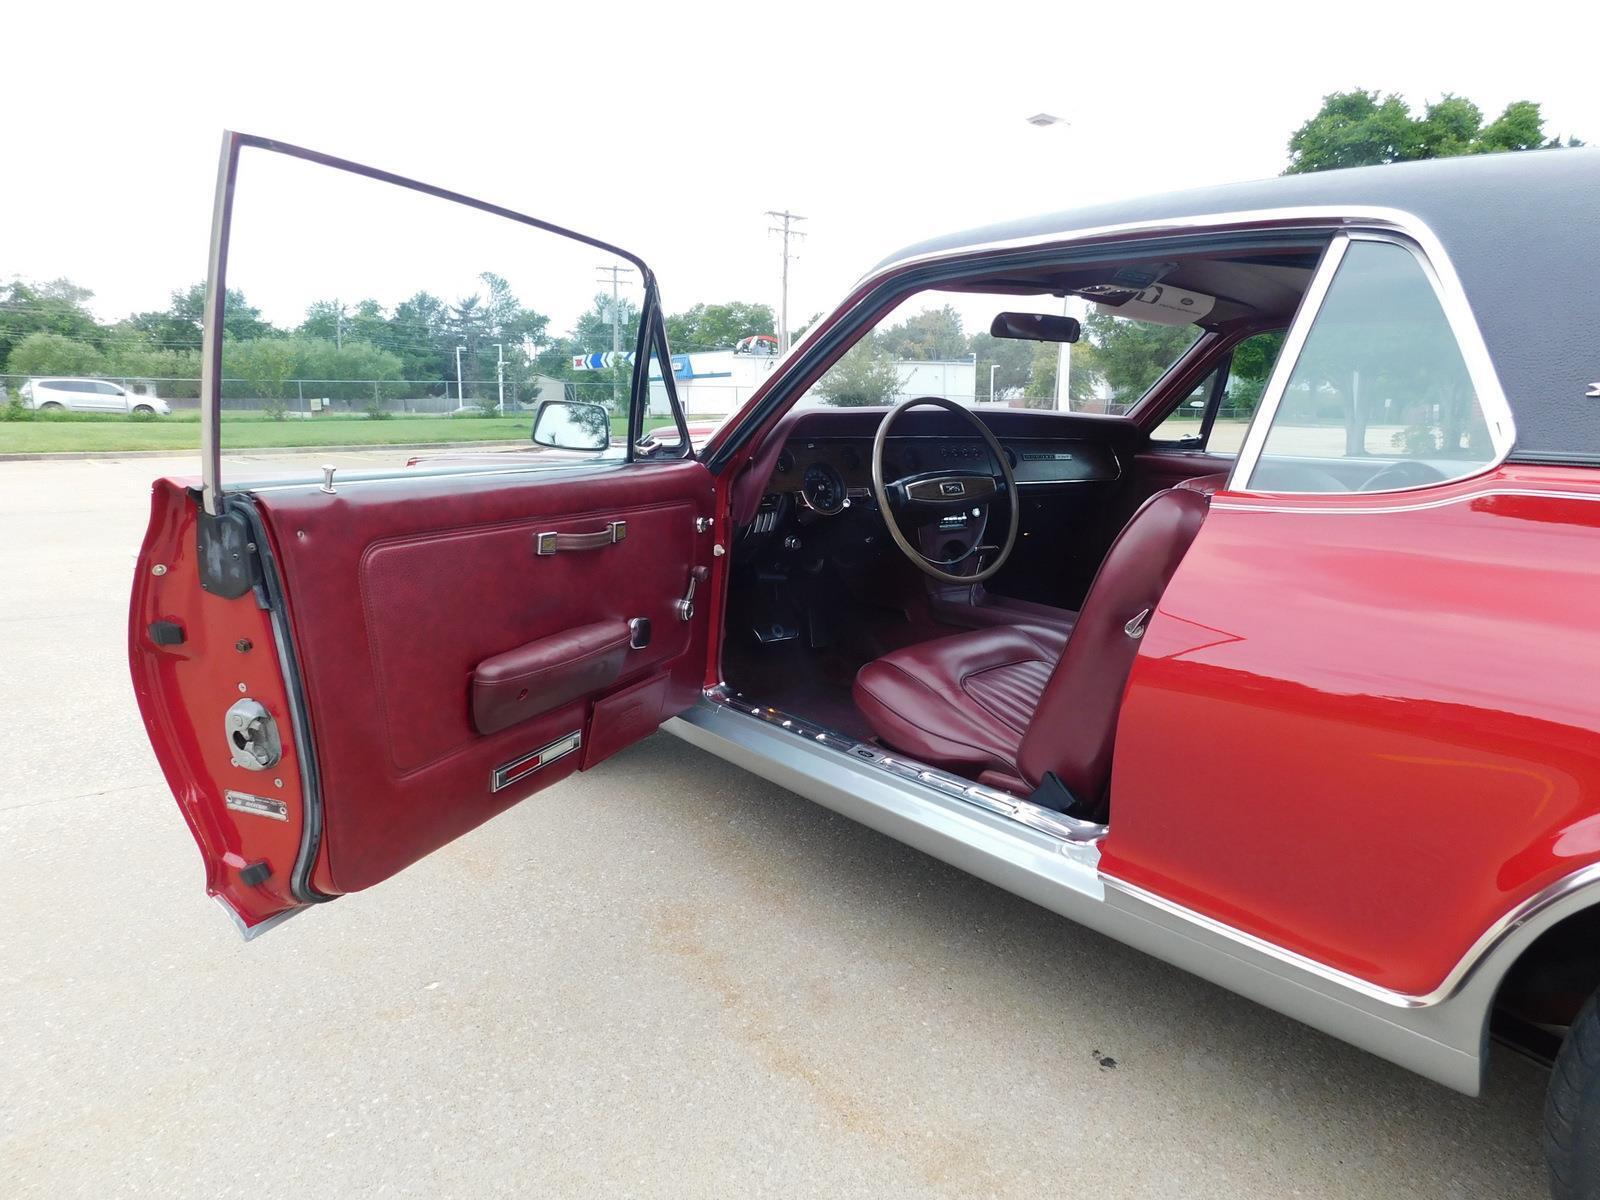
point(400, 590)
point(1156, 470)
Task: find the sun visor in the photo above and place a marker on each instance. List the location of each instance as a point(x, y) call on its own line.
point(1163, 304)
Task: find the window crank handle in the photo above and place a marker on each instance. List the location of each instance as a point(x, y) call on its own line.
point(685, 607)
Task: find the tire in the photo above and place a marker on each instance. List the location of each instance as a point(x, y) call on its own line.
point(1572, 1111)
point(143, 410)
point(52, 406)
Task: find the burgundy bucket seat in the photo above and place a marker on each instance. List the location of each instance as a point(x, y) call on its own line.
point(1015, 702)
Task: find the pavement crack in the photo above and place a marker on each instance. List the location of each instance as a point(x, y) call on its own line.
point(131, 787)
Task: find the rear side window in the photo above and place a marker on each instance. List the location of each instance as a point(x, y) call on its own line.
point(1380, 396)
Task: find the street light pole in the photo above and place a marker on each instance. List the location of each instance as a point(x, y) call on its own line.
point(993, 367)
point(1044, 120)
point(461, 392)
point(500, 376)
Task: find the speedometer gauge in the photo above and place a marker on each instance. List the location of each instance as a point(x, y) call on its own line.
point(822, 490)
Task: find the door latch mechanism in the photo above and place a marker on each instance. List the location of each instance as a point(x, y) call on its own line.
point(252, 736)
point(685, 607)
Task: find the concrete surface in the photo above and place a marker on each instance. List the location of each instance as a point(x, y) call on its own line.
point(664, 978)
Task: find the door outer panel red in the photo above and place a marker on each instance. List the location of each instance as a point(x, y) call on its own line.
point(1365, 727)
point(398, 589)
point(227, 653)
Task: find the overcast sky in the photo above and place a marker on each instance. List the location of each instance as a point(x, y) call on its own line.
point(670, 130)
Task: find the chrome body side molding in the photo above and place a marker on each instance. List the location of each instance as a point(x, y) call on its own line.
point(1054, 862)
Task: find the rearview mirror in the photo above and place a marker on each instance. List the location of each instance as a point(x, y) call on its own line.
point(565, 425)
point(1035, 327)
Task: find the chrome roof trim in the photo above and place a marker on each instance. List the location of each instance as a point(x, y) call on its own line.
point(1311, 217)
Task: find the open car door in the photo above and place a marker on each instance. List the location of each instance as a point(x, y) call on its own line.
point(342, 670)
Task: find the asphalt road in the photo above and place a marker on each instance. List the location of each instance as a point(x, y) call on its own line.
point(663, 978)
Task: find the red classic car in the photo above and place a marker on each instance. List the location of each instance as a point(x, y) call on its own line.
point(1286, 674)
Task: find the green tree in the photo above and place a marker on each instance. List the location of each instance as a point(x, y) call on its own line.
point(265, 365)
point(180, 324)
point(1253, 360)
point(717, 326)
point(592, 332)
point(1013, 360)
point(932, 334)
point(1360, 128)
point(58, 307)
point(1083, 384)
point(419, 334)
point(1131, 355)
point(866, 375)
point(54, 354)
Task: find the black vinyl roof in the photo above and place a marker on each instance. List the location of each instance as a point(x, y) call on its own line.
point(1522, 230)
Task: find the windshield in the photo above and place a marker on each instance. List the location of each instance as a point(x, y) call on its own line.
point(937, 343)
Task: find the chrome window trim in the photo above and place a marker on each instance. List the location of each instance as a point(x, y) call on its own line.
point(1429, 254)
point(1415, 506)
point(1312, 217)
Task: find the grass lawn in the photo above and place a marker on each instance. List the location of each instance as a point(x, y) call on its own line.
point(254, 431)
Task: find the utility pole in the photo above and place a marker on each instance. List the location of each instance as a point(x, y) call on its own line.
point(616, 273)
point(500, 375)
point(788, 219)
point(338, 324)
point(461, 392)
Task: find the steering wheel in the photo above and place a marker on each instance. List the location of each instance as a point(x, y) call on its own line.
point(1406, 473)
point(922, 499)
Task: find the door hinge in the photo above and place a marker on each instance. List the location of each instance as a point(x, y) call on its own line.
point(227, 558)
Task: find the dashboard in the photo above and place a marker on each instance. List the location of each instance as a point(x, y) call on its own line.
point(825, 474)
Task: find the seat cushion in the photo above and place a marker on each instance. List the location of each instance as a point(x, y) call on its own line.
point(971, 606)
point(962, 701)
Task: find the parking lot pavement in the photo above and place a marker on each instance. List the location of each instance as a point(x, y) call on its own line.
point(663, 978)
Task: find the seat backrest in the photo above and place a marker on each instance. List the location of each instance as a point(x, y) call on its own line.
point(1076, 722)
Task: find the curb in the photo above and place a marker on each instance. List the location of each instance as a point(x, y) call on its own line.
point(78, 455)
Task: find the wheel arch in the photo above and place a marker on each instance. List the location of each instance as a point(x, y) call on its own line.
point(1514, 955)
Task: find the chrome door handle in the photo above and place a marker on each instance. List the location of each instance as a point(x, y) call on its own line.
point(685, 607)
point(551, 542)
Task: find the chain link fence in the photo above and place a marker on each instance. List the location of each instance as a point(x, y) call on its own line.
point(305, 398)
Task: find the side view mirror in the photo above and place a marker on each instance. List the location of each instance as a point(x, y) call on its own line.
point(566, 425)
point(1035, 327)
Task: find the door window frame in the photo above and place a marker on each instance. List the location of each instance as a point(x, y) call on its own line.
point(1209, 360)
point(1429, 255)
point(651, 327)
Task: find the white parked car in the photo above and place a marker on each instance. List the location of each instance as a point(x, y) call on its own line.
point(89, 395)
